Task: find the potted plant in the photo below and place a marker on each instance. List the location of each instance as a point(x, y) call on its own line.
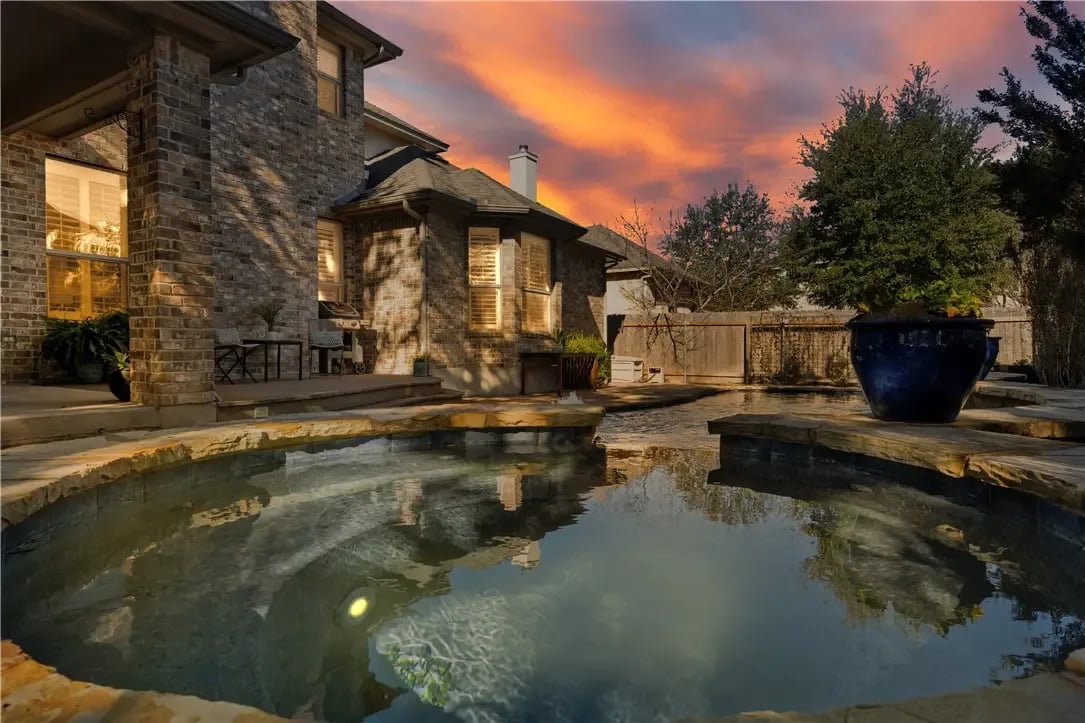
point(421, 365)
point(82, 347)
point(904, 225)
point(992, 356)
point(119, 376)
point(269, 311)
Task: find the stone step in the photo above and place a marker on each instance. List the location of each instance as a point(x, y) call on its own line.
point(1051, 470)
point(1032, 421)
point(382, 395)
point(75, 422)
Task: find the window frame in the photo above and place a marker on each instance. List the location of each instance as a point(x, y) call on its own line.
point(527, 290)
point(86, 259)
point(472, 233)
point(338, 82)
point(340, 285)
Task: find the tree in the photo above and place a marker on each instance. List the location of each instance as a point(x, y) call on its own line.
point(730, 248)
point(1044, 184)
point(902, 205)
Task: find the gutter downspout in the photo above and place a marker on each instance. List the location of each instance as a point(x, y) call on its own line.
point(423, 321)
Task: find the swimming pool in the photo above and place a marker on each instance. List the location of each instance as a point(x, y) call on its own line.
point(424, 582)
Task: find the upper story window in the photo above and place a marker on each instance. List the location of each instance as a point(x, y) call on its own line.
point(329, 76)
point(484, 278)
point(329, 236)
point(86, 240)
point(536, 254)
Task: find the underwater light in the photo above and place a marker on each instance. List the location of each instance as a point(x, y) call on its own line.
point(355, 606)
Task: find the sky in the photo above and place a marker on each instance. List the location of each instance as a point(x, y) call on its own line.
point(662, 103)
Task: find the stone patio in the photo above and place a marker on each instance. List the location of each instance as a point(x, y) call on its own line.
point(1015, 447)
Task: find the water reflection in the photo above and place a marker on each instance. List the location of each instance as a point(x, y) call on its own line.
point(512, 585)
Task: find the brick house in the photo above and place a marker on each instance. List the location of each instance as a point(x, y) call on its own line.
point(185, 161)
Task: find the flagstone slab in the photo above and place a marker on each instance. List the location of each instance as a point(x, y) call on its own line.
point(1050, 470)
point(37, 475)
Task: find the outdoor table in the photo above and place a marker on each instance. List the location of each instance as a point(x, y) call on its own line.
point(278, 344)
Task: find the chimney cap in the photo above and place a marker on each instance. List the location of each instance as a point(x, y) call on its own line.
point(523, 147)
point(523, 152)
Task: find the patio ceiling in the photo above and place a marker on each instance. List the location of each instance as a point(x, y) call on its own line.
point(64, 65)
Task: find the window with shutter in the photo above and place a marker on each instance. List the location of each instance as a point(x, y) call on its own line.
point(329, 76)
point(329, 274)
point(86, 240)
point(536, 254)
point(484, 278)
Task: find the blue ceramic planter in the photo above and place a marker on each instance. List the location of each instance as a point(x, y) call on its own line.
point(992, 356)
point(918, 370)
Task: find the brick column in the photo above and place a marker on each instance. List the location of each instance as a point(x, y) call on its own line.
point(171, 272)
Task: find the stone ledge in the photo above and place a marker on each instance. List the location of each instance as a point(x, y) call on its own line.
point(37, 475)
point(34, 692)
point(1050, 470)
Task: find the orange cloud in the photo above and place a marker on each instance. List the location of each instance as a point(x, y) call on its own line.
point(665, 113)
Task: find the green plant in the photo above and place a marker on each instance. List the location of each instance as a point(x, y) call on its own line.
point(269, 311)
point(560, 336)
point(119, 361)
point(902, 206)
point(69, 342)
point(577, 342)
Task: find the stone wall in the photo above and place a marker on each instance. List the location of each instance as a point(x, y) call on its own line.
point(22, 234)
point(584, 289)
point(279, 164)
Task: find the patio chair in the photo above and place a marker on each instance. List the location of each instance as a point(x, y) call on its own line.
point(229, 349)
point(327, 340)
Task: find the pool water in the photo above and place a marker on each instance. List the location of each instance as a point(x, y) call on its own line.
point(482, 584)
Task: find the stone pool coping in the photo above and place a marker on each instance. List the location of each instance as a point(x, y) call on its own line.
point(1051, 470)
point(35, 692)
point(39, 474)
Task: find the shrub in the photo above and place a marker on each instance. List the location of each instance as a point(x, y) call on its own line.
point(577, 342)
point(69, 342)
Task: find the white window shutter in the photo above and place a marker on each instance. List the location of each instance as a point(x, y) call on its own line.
point(484, 278)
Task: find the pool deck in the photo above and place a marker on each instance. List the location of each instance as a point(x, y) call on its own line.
point(37, 474)
point(1016, 447)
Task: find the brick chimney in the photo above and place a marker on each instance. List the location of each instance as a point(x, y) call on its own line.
point(524, 172)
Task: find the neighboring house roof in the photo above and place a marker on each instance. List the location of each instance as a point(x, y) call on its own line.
point(396, 126)
point(633, 255)
point(409, 172)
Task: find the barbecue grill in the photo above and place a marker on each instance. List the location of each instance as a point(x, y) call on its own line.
point(343, 316)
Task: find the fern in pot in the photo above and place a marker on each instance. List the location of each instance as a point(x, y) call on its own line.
point(83, 347)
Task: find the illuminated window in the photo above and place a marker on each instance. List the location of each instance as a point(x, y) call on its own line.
point(536, 254)
point(329, 237)
point(484, 278)
point(329, 77)
point(86, 240)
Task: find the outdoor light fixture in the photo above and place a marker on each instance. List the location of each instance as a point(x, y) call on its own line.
point(355, 606)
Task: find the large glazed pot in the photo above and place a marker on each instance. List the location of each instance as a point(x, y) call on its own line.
point(918, 370)
point(992, 356)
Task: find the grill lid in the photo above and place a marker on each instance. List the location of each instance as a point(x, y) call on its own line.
point(336, 310)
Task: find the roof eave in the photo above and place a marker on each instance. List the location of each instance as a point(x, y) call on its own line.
point(337, 17)
point(366, 207)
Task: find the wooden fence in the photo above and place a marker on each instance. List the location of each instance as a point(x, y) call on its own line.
point(787, 346)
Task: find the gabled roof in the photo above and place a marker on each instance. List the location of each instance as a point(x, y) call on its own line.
point(635, 256)
point(400, 128)
point(409, 172)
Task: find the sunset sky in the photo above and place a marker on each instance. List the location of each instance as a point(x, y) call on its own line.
point(663, 102)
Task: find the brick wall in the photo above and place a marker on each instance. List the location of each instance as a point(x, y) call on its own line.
point(391, 291)
point(584, 287)
point(171, 272)
point(279, 163)
point(22, 234)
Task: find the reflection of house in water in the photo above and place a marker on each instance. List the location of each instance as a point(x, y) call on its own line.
point(529, 557)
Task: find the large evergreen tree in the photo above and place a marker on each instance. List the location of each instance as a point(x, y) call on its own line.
point(1044, 184)
point(902, 205)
